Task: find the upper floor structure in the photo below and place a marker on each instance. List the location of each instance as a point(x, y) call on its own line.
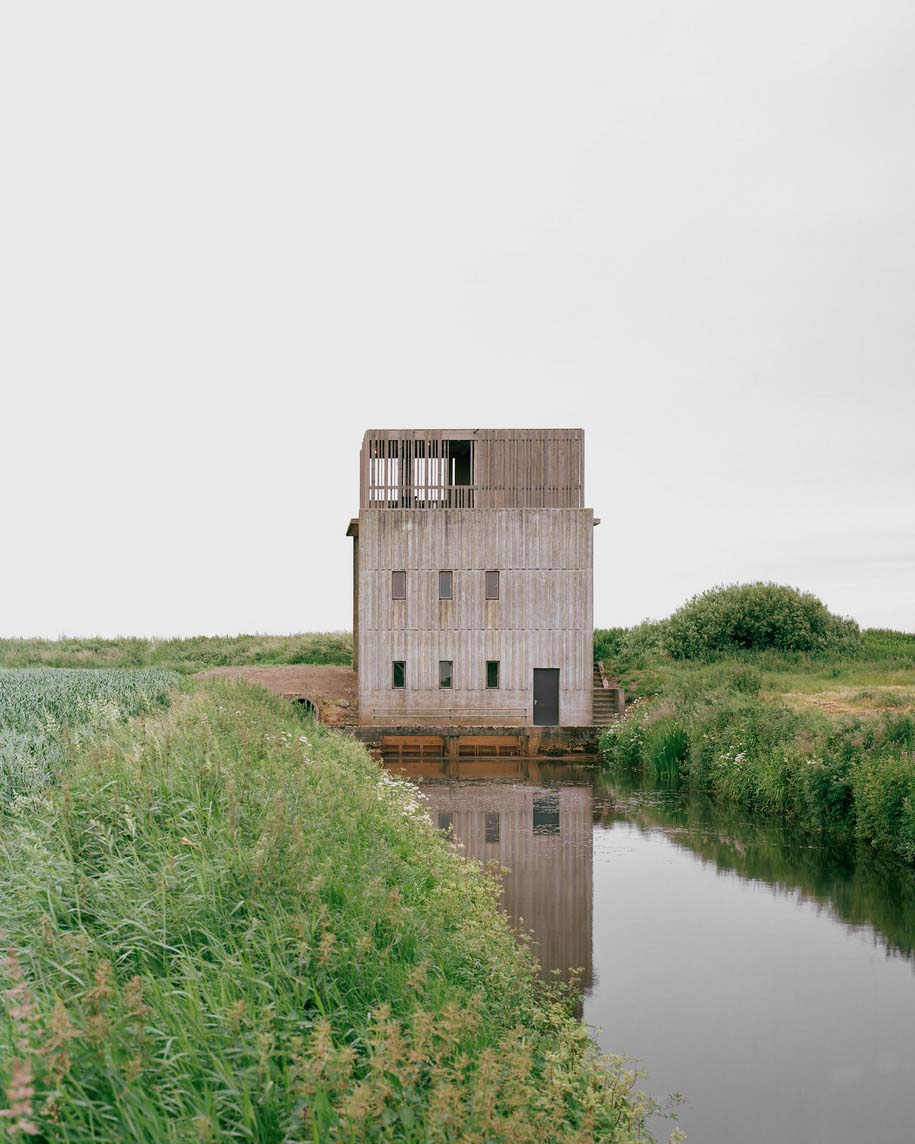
point(472, 468)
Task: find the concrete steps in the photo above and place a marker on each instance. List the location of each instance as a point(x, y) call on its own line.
point(605, 702)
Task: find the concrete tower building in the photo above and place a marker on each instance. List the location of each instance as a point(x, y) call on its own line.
point(473, 579)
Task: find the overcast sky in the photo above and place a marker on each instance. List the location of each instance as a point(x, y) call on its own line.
point(233, 237)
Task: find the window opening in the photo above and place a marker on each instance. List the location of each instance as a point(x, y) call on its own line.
point(546, 814)
point(493, 824)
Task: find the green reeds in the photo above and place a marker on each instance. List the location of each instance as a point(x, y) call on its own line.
point(225, 922)
point(666, 749)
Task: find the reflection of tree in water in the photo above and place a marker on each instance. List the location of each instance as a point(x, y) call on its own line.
point(854, 886)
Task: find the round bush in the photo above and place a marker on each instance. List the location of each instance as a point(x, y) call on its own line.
point(757, 616)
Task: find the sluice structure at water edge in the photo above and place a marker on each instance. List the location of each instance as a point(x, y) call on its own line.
point(473, 579)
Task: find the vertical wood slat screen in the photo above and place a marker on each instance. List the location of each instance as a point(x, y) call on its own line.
point(535, 468)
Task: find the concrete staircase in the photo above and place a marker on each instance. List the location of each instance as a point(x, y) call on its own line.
point(605, 701)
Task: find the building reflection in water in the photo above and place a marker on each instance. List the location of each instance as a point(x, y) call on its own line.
point(524, 815)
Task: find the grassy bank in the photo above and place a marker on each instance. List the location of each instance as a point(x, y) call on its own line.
point(224, 922)
point(823, 742)
point(185, 655)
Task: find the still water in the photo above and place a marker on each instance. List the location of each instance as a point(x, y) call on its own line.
point(769, 982)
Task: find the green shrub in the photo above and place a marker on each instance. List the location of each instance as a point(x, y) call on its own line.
point(607, 644)
point(828, 794)
point(756, 616)
point(884, 790)
point(622, 745)
point(645, 639)
point(744, 680)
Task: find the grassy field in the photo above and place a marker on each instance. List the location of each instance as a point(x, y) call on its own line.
point(824, 742)
point(224, 922)
point(41, 710)
point(185, 655)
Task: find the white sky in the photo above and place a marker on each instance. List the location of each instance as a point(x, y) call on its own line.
point(233, 237)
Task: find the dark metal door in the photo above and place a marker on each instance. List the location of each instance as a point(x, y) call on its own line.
point(546, 696)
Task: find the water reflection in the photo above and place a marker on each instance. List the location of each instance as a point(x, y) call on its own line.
point(855, 886)
point(769, 979)
point(503, 810)
point(535, 821)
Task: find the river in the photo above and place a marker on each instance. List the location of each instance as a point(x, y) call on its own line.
point(767, 980)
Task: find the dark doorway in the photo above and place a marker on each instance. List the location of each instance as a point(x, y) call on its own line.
point(460, 453)
point(546, 696)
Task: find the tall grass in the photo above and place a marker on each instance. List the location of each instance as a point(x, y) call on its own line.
point(229, 923)
point(719, 730)
point(185, 655)
point(666, 748)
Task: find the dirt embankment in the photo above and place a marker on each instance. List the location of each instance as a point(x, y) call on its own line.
point(331, 690)
point(874, 700)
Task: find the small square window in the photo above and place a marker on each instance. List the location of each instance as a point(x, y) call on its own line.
point(399, 674)
point(445, 585)
point(493, 824)
point(492, 585)
point(398, 585)
point(492, 673)
point(445, 672)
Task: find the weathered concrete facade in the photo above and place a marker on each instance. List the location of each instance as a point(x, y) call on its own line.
point(469, 503)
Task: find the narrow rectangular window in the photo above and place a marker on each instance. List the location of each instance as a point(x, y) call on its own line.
point(444, 820)
point(398, 585)
point(445, 672)
point(493, 825)
point(399, 673)
point(492, 585)
point(445, 585)
point(546, 814)
point(492, 673)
